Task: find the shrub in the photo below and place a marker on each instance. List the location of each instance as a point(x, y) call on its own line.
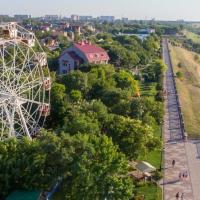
point(196, 57)
point(75, 95)
point(180, 65)
point(179, 75)
point(157, 175)
point(159, 96)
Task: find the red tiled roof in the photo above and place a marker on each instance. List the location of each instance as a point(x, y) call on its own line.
point(88, 48)
point(92, 52)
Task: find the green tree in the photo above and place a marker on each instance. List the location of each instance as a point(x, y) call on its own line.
point(132, 136)
point(81, 123)
point(98, 170)
point(36, 164)
point(125, 80)
point(59, 105)
point(75, 96)
point(75, 80)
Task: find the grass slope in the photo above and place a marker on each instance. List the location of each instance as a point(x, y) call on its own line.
point(188, 88)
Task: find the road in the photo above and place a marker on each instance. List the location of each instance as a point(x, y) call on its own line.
point(175, 148)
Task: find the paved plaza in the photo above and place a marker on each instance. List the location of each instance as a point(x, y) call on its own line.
point(186, 154)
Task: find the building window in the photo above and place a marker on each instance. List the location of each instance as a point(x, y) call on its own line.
point(65, 63)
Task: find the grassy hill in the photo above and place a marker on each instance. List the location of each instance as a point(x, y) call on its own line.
point(188, 63)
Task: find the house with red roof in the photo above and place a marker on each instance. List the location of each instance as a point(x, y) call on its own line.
point(81, 53)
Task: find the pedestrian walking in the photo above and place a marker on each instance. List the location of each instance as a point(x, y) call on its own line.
point(185, 174)
point(177, 195)
point(180, 176)
point(173, 163)
point(182, 196)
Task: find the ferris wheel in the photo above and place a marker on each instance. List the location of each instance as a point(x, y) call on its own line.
point(24, 83)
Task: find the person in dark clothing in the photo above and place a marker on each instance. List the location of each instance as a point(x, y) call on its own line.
point(177, 195)
point(173, 163)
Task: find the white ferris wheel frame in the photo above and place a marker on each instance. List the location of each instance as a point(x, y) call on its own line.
point(22, 91)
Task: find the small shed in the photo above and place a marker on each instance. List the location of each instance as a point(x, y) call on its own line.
point(145, 167)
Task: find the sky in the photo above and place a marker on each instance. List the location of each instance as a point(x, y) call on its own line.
point(133, 9)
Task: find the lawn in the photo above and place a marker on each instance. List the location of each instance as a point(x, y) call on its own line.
point(188, 88)
point(150, 192)
point(153, 157)
point(148, 89)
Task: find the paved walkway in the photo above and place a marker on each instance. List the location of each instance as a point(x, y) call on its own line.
point(193, 155)
point(174, 146)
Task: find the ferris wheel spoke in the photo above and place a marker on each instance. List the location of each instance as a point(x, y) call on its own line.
point(29, 86)
point(15, 65)
point(31, 76)
point(29, 117)
point(7, 75)
point(26, 61)
point(35, 98)
point(20, 130)
point(37, 94)
point(3, 123)
point(21, 51)
point(3, 87)
point(29, 101)
point(25, 66)
point(2, 57)
point(10, 120)
point(23, 121)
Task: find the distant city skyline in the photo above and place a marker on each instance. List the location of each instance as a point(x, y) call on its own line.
point(133, 9)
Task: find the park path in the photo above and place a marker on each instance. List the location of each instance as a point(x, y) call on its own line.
point(174, 146)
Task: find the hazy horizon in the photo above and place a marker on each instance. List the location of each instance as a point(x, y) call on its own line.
point(144, 9)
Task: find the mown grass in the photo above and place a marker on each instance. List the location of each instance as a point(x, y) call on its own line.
point(148, 89)
point(150, 192)
point(188, 88)
point(153, 157)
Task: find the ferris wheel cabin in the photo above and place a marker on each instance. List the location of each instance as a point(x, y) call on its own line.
point(28, 38)
point(12, 30)
point(47, 84)
point(8, 30)
point(45, 110)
